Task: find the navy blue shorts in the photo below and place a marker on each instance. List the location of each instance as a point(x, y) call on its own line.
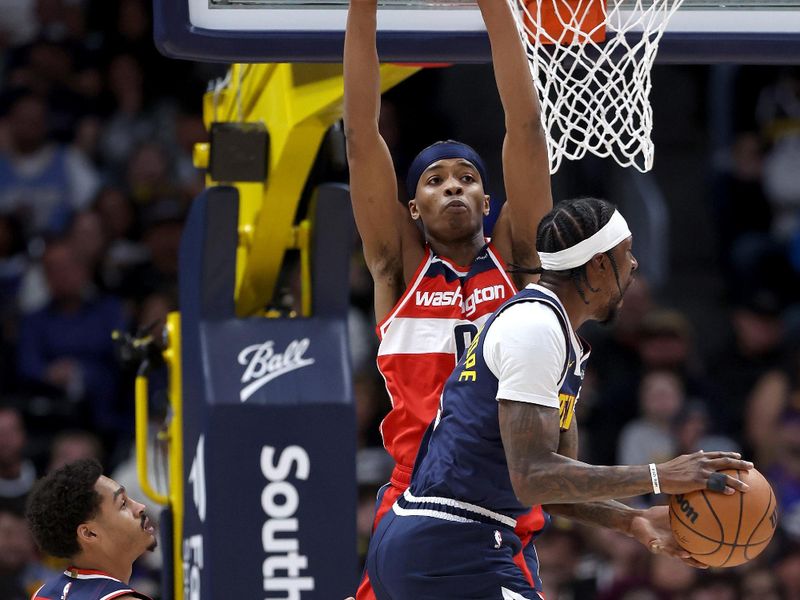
point(425, 558)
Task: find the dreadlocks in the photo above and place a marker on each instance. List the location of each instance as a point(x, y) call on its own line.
point(571, 222)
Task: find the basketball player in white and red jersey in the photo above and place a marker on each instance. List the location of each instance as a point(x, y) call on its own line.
point(432, 293)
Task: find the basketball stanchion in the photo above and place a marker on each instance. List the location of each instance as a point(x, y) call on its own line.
point(261, 433)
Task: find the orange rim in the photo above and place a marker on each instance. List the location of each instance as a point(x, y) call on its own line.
point(585, 17)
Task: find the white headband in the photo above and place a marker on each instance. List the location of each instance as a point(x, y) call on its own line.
point(611, 234)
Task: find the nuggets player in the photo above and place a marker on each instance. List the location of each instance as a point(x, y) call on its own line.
point(432, 294)
point(77, 513)
point(505, 437)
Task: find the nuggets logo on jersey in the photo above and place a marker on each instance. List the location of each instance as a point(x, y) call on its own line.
point(566, 408)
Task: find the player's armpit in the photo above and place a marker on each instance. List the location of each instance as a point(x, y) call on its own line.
point(568, 441)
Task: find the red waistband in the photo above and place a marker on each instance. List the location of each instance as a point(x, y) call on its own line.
point(401, 477)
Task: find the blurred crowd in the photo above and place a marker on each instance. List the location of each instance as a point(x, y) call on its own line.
point(96, 133)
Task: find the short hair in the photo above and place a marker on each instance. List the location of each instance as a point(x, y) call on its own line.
point(60, 502)
point(571, 222)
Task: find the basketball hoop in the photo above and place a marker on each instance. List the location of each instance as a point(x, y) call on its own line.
point(591, 62)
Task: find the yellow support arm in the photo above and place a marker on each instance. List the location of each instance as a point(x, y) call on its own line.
point(142, 427)
point(298, 103)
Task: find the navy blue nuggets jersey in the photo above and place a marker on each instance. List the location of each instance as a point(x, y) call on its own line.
point(452, 533)
point(83, 584)
point(464, 473)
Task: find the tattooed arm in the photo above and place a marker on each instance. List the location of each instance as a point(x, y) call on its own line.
point(605, 513)
point(540, 475)
point(650, 527)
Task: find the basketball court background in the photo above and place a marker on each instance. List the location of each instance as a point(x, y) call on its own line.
point(262, 457)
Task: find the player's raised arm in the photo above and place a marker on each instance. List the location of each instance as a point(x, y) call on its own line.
point(526, 170)
point(380, 219)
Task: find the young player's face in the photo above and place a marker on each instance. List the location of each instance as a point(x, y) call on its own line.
point(450, 200)
point(122, 523)
point(619, 284)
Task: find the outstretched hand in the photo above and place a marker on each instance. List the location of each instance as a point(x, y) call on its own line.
point(697, 471)
point(651, 529)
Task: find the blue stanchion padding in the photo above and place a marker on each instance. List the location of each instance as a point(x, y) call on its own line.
point(268, 426)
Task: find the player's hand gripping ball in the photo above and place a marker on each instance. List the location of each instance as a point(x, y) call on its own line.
point(722, 530)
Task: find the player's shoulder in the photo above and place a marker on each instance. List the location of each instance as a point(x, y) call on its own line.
point(529, 325)
point(528, 315)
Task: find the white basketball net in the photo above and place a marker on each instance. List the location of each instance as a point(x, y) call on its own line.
point(595, 96)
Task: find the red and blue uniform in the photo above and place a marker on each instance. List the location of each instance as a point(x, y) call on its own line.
point(85, 584)
point(421, 341)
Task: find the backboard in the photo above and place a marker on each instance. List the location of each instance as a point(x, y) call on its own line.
point(702, 31)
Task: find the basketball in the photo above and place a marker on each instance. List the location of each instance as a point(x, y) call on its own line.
point(721, 530)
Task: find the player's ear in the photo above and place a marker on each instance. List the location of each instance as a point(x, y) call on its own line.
point(487, 207)
point(412, 208)
point(86, 534)
point(599, 261)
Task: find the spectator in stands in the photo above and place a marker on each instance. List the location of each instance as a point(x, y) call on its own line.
point(616, 558)
point(17, 474)
point(88, 238)
point(761, 584)
point(123, 252)
point(664, 341)
point(129, 125)
point(650, 437)
point(756, 348)
point(372, 404)
point(42, 182)
point(775, 392)
point(715, 586)
point(67, 345)
point(71, 445)
point(21, 573)
point(161, 236)
point(560, 552)
point(787, 568)
point(19, 24)
point(784, 473)
point(14, 265)
point(616, 348)
point(693, 431)
point(148, 174)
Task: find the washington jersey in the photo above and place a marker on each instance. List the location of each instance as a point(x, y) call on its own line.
point(83, 584)
point(462, 471)
point(423, 336)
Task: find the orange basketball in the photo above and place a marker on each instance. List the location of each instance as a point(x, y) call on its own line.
point(725, 531)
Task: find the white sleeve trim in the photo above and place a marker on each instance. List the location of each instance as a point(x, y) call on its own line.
point(525, 349)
